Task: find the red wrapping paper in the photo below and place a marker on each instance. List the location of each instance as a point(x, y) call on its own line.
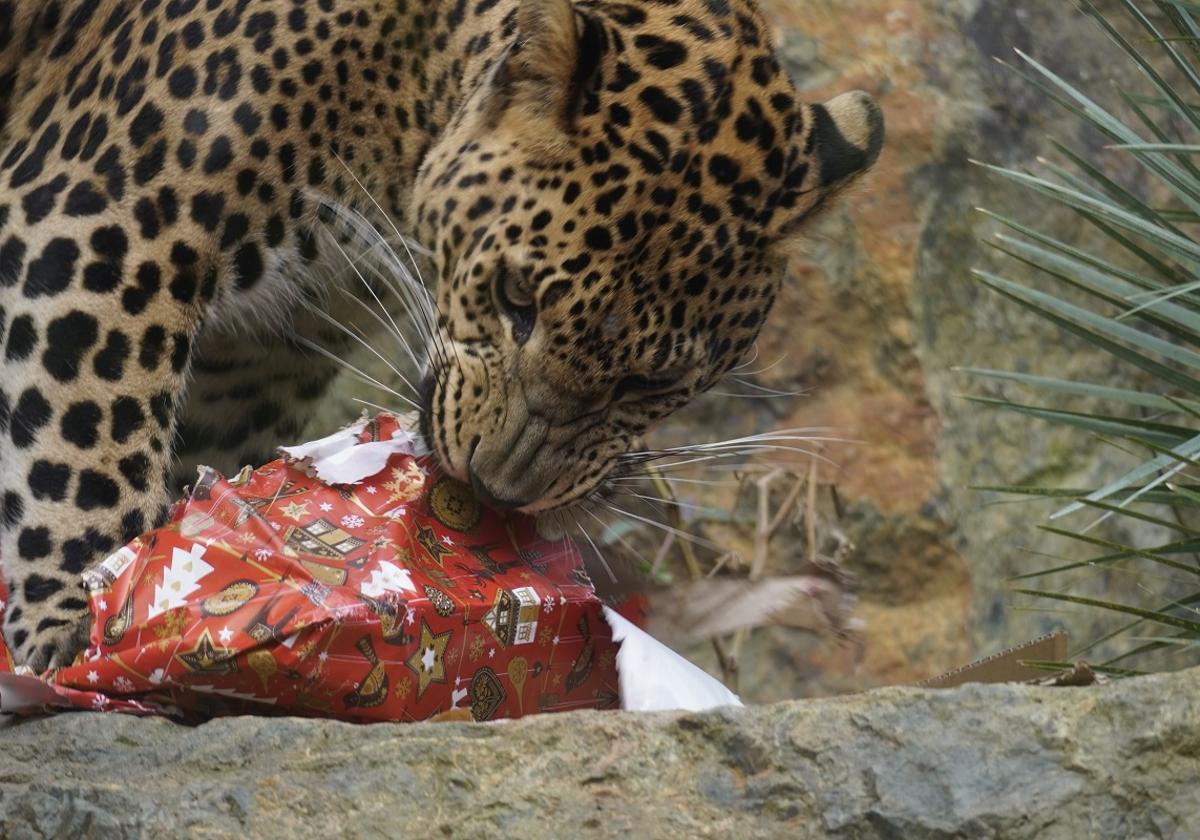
point(398, 598)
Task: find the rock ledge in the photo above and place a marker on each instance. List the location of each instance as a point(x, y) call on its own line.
point(980, 761)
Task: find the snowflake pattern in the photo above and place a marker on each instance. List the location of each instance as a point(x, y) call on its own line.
point(406, 484)
point(262, 553)
point(123, 685)
point(352, 520)
point(326, 507)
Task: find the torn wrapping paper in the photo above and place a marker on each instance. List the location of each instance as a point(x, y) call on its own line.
point(351, 579)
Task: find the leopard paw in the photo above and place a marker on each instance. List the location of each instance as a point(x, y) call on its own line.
point(56, 644)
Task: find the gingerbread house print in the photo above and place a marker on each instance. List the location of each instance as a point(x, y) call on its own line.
point(513, 618)
point(321, 538)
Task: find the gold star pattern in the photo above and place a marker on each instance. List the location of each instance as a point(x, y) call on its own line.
point(206, 658)
point(295, 510)
point(428, 661)
point(430, 542)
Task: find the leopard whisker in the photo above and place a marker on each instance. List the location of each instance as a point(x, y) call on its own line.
point(358, 373)
point(356, 335)
point(690, 506)
point(662, 526)
point(794, 433)
point(391, 328)
point(595, 548)
point(423, 301)
point(703, 465)
point(638, 478)
point(387, 217)
point(426, 330)
point(736, 396)
point(410, 291)
point(766, 389)
point(739, 372)
point(394, 327)
point(714, 452)
point(742, 451)
point(747, 362)
point(748, 445)
point(386, 408)
point(609, 529)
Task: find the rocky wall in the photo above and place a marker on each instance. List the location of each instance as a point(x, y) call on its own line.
point(881, 308)
point(980, 761)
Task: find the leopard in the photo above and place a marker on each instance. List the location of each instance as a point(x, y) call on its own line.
point(606, 192)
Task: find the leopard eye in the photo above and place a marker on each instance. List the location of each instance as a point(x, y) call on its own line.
point(515, 302)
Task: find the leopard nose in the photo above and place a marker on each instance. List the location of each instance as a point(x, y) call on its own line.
point(849, 135)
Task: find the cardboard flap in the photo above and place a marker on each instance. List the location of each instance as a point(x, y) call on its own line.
point(1007, 665)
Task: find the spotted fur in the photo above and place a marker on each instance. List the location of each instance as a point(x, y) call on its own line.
point(607, 189)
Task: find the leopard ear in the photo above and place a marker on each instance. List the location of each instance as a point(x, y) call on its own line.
point(547, 42)
point(843, 139)
point(555, 52)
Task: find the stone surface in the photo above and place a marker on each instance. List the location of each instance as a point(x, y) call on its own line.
point(980, 761)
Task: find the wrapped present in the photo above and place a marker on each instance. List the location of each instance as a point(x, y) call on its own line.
point(351, 579)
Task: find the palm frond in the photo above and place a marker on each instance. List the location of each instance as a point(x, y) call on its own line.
point(1134, 297)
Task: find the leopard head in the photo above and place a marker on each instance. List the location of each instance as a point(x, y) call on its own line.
point(609, 211)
